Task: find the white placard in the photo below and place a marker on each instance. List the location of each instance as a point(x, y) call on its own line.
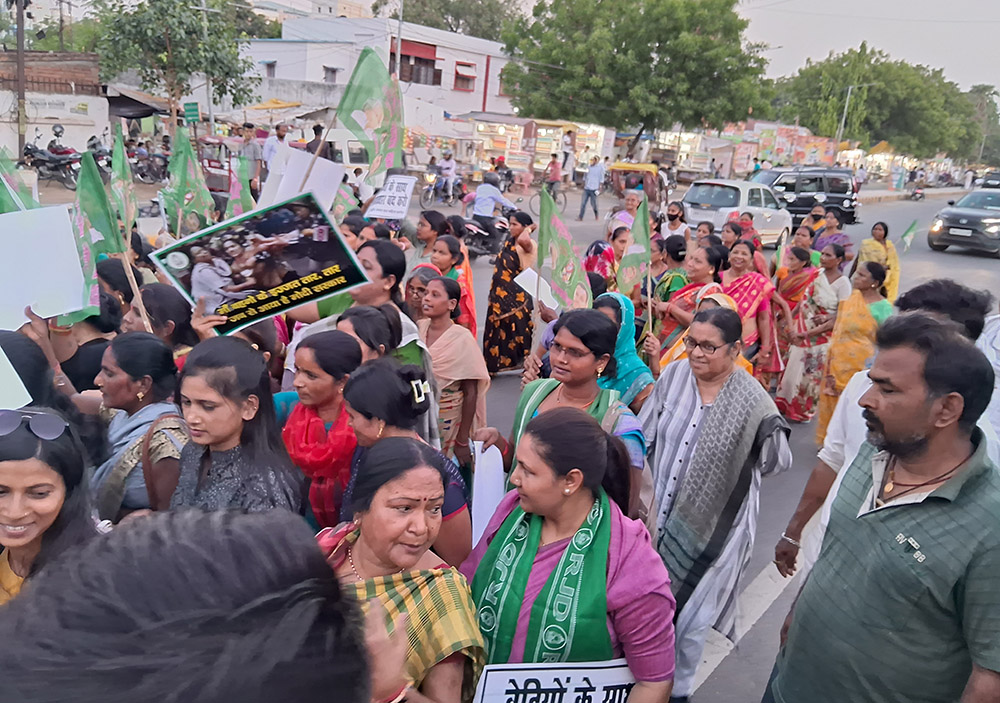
point(561, 682)
point(488, 479)
point(528, 280)
point(393, 201)
point(39, 265)
point(13, 394)
point(323, 181)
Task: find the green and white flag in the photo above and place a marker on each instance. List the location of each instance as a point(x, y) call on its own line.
point(240, 199)
point(187, 202)
point(635, 262)
point(122, 189)
point(908, 235)
point(343, 203)
point(15, 195)
point(570, 286)
point(372, 109)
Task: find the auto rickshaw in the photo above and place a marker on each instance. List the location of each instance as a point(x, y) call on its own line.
point(641, 177)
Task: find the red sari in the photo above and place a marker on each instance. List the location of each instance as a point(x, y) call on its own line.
point(687, 300)
point(793, 289)
point(752, 292)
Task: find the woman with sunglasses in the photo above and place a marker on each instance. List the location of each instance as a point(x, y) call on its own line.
point(43, 494)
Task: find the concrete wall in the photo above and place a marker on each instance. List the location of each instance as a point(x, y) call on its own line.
point(80, 115)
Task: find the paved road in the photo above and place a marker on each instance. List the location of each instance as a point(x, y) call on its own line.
point(740, 677)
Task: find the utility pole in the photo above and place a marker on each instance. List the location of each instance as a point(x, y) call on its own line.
point(22, 116)
point(205, 9)
point(399, 41)
point(843, 118)
point(62, 44)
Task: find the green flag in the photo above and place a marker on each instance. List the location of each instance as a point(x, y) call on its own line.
point(635, 262)
point(122, 189)
point(186, 200)
point(372, 109)
point(570, 286)
point(240, 199)
point(97, 233)
point(14, 194)
point(908, 235)
point(343, 203)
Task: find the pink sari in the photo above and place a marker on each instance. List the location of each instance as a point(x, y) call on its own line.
point(752, 293)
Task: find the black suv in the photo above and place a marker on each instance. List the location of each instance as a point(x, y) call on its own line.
point(804, 187)
point(991, 180)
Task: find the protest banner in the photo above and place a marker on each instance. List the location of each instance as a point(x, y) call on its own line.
point(322, 180)
point(13, 394)
point(240, 199)
point(122, 188)
point(488, 482)
point(372, 109)
point(569, 281)
point(343, 203)
point(559, 682)
point(186, 200)
point(39, 265)
point(634, 265)
point(263, 263)
point(393, 201)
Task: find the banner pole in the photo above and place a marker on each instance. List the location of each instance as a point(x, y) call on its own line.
point(136, 295)
point(312, 161)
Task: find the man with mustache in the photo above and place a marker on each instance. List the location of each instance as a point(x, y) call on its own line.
point(946, 300)
point(902, 604)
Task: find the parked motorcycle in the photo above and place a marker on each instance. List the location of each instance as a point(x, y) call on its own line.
point(102, 155)
point(49, 166)
point(434, 190)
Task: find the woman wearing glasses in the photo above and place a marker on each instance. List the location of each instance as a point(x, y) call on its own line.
point(712, 432)
point(43, 495)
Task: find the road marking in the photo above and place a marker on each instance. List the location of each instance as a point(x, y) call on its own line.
point(754, 602)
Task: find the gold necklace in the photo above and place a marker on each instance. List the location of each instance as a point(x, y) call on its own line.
point(350, 559)
point(560, 400)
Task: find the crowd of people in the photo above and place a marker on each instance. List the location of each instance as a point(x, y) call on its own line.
point(287, 509)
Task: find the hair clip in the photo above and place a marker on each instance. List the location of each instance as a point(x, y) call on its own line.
point(421, 389)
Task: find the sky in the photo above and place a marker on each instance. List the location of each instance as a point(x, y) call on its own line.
point(962, 37)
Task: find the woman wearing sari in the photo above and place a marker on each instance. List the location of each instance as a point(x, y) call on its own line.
point(631, 378)
point(626, 216)
point(565, 525)
point(793, 283)
point(603, 258)
point(752, 293)
point(853, 340)
point(458, 366)
point(666, 271)
point(880, 250)
point(707, 301)
point(832, 234)
point(508, 328)
point(581, 353)
point(703, 266)
point(798, 389)
point(384, 554)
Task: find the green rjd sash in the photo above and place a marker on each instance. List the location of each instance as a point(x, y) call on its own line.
point(568, 621)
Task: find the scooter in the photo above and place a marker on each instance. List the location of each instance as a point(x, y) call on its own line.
point(917, 194)
point(478, 240)
point(434, 191)
point(49, 166)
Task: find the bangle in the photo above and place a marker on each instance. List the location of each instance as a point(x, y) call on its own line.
point(461, 444)
point(791, 541)
point(506, 448)
point(400, 696)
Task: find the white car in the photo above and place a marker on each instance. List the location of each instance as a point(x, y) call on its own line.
point(714, 200)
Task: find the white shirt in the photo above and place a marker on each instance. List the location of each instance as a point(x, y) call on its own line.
point(276, 152)
point(447, 167)
point(567, 143)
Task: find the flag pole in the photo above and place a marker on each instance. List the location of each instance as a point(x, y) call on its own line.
point(312, 161)
point(136, 295)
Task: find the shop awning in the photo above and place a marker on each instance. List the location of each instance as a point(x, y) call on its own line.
point(133, 104)
point(883, 147)
point(466, 70)
point(417, 49)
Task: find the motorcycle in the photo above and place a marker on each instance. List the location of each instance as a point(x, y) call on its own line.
point(102, 155)
point(434, 190)
point(506, 178)
point(917, 194)
point(148, 169)
point(478, 240)
point(49, 166)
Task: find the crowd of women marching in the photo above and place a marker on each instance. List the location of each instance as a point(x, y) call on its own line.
point(634, 463)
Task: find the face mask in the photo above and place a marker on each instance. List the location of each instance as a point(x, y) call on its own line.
point(673, 217)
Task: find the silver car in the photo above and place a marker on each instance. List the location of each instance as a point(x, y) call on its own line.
point(714, 200)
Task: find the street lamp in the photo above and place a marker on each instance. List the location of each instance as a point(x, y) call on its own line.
point(843, 118)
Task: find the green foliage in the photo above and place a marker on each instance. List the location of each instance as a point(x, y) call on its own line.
point(476, 18)
point(645, 63)
point(914, 108)
point(250, 24)
point(81, 35)
point(163, 40)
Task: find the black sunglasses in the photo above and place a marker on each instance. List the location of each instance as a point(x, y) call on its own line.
point(43, 425)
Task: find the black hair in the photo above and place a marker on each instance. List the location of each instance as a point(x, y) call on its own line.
point(952, 363)
point(262, 334)
point(877, 272)
point(609, 302)
point(454, 292)
point(109, 316)
point(355, 223)
point(712, 240)
point(33, 368)
point(111, 272)
point(801, 254)
point(837, 216)
point(522, 217)
point(884, 226)
point(236, 371)
point(943, 296)
point(336, 352)
point(317, 129)
point(356, 212)
point(595, 331)
point(736, 227)
point(727, 321)
point(748, 214)
point(598, 284)
point(680, 205)
point(387, 460)
point(141, 248)
point(392, 261)
point(710, 225)
point(165, 304)
point(744, 242)
point(375, 326)
point(617, 231)
point(456, 226)
point(166, 609)
point(382, 230)
point(838, 251)
point(809, 230)
point(723, 253)
point(569, 438)
point(674, 246)
point(384, 390)
point(143, 354)
point(437, 221)
point(454, 248)
point(64, 455)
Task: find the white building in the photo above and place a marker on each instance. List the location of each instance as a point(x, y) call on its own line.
point(283, 10)
point(457, 73)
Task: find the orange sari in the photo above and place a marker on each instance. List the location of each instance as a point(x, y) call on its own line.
point(752, 293)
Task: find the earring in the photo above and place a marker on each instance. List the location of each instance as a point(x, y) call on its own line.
point(381, 429)
point(566, 491)
point(600, 370)
point(140, 395)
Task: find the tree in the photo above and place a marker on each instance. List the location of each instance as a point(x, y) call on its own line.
point(984, 102)
point(164, 41)
point(253, 25)
point(645, 63)
point(80, 35)
point(476, 18)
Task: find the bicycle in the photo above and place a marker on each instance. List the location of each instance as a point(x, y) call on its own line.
point(535, 203)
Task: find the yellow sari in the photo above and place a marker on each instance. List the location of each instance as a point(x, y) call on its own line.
point(886, 256)
point(851, 345)
point(10, 583)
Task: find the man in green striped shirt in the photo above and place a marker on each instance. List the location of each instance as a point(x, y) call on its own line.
point(903, 603)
